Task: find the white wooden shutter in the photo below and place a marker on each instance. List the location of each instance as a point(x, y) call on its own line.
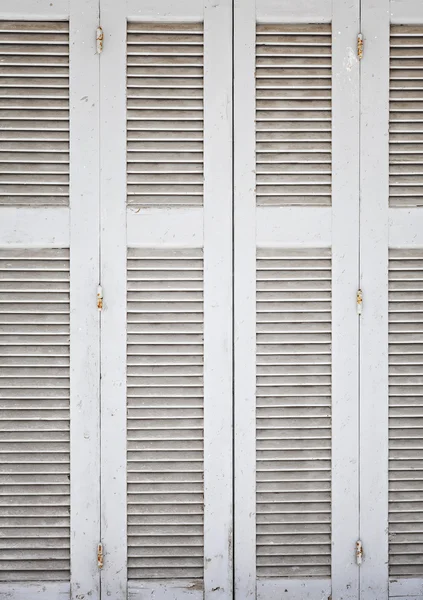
point(49, 335)
point(166, 325)
point(391, 242)
point(296, 278)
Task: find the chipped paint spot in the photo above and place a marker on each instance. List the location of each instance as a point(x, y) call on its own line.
point(350, 59)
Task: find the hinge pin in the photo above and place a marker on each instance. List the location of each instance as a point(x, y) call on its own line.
point(359, 302)
point(100, 556)
point(359, 552)
point(99, 297)
point(99, 40)
point(360, 46)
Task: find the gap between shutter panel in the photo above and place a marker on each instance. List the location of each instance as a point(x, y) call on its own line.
point(34, 113)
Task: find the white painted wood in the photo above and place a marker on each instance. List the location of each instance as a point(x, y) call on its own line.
point(405, 227)
point(294, 226)
point(245, 298)
point(36, 9)
point(374, 319)
point(157, 226)
point(294, 589)
point(345, 278)
point(165, 10)
point(218, 530)
point(113, 280)
point(50, 590)
point(84, 319)
point(400, 588)
point(303, 11)
point(41, 227)
point(406, 11)
point(166, 591)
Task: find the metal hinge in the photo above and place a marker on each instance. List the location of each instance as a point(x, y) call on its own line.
point(99, 297)
point(360, 46)
point(359, 302)
point(99, 40)
point(100, 556)
point(359, 552)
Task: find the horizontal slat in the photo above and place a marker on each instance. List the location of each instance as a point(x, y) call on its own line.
point(165, 414)
point(293, 417)
point(165, 114)
point(34, 415)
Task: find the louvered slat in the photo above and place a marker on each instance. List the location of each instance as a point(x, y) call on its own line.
point(34, 408)
point(293, 114)
point(406, 413)
point(293, 413)
point(165, 414)
point(406, 116)
point(165, 113)
point(34, 113)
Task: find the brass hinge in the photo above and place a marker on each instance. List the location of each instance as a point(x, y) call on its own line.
point(359, 552)
point(99, 297)
point(360, 46)
point(100, 556)
point(99, 40)
point(359, 302)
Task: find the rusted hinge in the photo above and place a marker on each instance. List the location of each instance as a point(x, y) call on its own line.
point(99, 297)
point(360, 46)
point(100, 556)
point(99, 40)
point(359, 552)
point(359, 302)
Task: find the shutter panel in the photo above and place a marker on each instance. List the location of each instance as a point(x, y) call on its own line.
point(296, 261)
point(405, 116)
point(34, 113)
point(166, 256)
point(165, 113)
point(293, 413)
point(405, 413)
point(49, 321)
point(34, 387)
point(165, 414)
point(293, 114)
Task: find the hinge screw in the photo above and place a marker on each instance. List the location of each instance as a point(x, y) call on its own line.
point(99, 297)
point(100, 556)
point(360, 46)
point(99, 40)
point(359, 302)
point(359, 552)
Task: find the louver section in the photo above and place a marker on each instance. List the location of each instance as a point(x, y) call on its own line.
point(293, 413)
point(165, 414)
point(293, 114)
point(34, 113)
point(405, 413)
point(165, 113)
point(34, 407)
point(406, 116)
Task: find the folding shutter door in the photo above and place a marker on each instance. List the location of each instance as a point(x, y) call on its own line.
point(49, 472)
point(391, 331)
point(166, 255)
point(296, 279)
